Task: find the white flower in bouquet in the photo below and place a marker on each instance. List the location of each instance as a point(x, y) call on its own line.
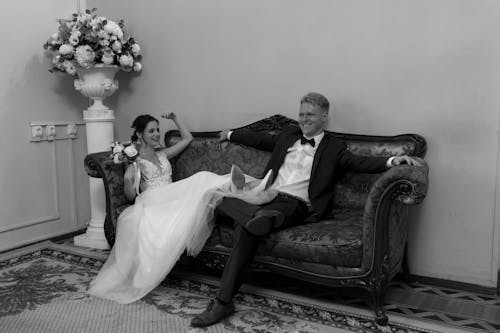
point(104, 42)
point(103, 35)
point(74, 39)
point(121, 152)
point(135, 49)
point(137, 67)
point(113, 29)
point(69, 67)
point(117, 147)
point(126, 61)
point(108, 58)
point(130, 151)
point(66, 49)
point(86, 39)
point(117, 158)
point(85, 56)
point(117, 46)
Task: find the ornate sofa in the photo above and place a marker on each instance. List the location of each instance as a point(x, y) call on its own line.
point(362, 244)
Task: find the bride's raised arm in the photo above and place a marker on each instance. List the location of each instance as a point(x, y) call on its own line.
point(186, 136)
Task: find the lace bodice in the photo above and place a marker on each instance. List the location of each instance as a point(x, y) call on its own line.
point(153, 176)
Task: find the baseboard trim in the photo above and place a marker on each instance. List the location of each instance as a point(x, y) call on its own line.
point(68, 235)
point(52, 239)
point(463, 286)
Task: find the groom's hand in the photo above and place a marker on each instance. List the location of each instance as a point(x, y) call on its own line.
point(398, 160)
point(223, 135)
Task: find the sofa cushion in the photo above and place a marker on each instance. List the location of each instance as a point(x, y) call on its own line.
point(335, 241)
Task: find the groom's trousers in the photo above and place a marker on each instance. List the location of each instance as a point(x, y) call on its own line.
point(245, 243)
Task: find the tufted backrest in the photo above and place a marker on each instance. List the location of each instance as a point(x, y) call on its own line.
point(206, 153)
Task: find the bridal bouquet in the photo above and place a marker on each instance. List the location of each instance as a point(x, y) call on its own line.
point(87, 39)
point(121, 152)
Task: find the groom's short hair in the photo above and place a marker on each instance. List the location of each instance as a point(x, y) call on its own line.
point(316, 99)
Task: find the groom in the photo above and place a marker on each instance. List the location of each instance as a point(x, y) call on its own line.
point(306, 164)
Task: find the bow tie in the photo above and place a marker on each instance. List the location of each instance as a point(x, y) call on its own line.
point(304, 140)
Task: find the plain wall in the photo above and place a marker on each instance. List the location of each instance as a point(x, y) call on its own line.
point(44, 185)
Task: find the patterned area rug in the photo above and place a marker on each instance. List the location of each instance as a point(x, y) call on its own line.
point(42, 289)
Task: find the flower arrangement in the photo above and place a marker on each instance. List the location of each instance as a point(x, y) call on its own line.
point(87, 39)
point(121, 152)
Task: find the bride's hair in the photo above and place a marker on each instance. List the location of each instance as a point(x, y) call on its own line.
point(140, 124)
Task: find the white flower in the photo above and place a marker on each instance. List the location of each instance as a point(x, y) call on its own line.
point(137, 67)
point(66, 49)
point(117, 159)
point(116, 46)
point(107, 58)
point(74, 39)
point(130, 151)
point(113, 29)
point(85, 56)
point(94, 23)
point(126, 61)
point(135, 49)
point(104, 42)
point(55, 39)
point(69, 67)
point(102, 34)
point(117, 147)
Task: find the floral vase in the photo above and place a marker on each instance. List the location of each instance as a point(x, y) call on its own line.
point(97, 83)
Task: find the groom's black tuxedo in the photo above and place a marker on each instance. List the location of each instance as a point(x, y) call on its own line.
point(330, 160)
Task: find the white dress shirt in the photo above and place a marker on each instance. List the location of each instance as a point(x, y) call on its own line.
point(295, 172)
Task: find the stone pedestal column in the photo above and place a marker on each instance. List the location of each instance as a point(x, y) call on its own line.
point(97, 83)
point(99, 127)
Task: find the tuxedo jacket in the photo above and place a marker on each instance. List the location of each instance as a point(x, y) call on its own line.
point(330, 161)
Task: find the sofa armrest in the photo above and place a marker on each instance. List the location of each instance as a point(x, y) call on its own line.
point(385, 215)
point(406, 184)
point(99, 165)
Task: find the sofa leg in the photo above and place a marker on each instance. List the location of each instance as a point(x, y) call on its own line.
point(378, 305)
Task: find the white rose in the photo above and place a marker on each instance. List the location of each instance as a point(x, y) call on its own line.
point(107, 59)
point(117, 148)
point(104, 42)
point(116, 158)
point(113, 29)
point(126, 61)
point(130, 151)
point(116, 46)
point(66, 49)
point(135, 49)
point(137, 67)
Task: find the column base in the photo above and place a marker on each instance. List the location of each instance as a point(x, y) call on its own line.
point(95, 243)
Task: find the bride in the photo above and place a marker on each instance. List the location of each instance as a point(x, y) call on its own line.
point(167, 217)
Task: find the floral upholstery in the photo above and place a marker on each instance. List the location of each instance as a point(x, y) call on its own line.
point(362, 243)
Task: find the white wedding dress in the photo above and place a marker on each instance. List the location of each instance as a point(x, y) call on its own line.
point(166, 219)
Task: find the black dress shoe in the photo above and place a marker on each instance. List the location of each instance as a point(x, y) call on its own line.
point(215, 312)
point(264, 221)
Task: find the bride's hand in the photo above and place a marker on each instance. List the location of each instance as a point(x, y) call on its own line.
point(169, 115)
